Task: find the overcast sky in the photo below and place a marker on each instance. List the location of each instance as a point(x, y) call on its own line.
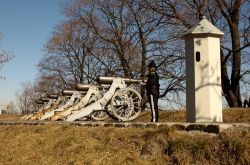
point(26, 26)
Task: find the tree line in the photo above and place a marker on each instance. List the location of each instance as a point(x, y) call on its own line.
point(118, 38)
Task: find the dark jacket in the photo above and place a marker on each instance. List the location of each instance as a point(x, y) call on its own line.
point(152, 85)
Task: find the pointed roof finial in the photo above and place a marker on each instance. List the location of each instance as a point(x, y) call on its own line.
point(203, 27)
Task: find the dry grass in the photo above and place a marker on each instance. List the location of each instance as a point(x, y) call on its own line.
point(234, 115)
point(63, 144)
point(58, 144)
point(9, 117)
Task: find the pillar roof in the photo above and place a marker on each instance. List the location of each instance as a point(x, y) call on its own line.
point(203, 27)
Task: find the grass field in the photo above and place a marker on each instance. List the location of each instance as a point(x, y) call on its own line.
point(65, 144)
point(236, 115)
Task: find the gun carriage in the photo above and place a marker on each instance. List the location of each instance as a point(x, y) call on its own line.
point(92, 91)
point(53, 101)
point(43, 103)
point(114, 97)
point(74, 98)
point(123, 100)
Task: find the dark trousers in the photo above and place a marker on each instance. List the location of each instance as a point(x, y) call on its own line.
point(153, 101)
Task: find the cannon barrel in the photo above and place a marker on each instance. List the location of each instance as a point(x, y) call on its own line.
point(109, 80)
point(85, 87)
point(45, 99)
point(68, 92)
point(39, 102)
point(82, 87)
point(53, 96)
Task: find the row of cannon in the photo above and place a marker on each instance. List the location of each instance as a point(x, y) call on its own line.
point(113, 97)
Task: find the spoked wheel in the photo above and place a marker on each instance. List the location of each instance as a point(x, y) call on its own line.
point(126, 104)
point(98, 115)
point(109, 112)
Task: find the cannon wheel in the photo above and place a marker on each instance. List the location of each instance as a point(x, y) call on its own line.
point(98, 115)
point(126, 104)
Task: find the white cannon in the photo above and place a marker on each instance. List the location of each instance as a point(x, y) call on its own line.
point(44, 103)
point(41, 106)
point(92, 91)
point(75, 96)
point(125, 102)
point(54, 101)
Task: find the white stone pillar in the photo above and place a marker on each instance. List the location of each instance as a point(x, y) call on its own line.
point(203, 73)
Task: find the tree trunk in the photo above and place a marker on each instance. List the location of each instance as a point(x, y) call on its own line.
point(124, 63)
point(226, 86)
point(232, 89)
point(125, 66)
point(235, 76)
point(143, 61)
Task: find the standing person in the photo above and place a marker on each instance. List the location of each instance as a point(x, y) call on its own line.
point(152, 87)
point(246, 103)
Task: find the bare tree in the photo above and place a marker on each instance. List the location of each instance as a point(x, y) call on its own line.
point(5, 56)
point(232, 18)
point(119, 37)
point(231, 12)
point(26, 98)
point(66, 54)
point(72, 57)
point(110, 22)
point(11, 108)
point(77, 53)
point(114, 38)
